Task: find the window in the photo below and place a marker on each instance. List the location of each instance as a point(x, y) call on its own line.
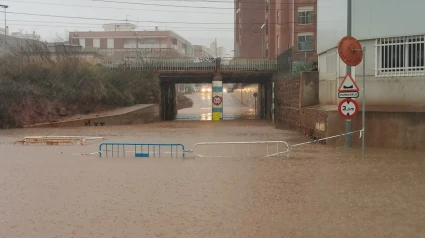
point(305, 15)
point(148, 41)
point(174, 41)
point(278, 17)
point(267, 27)
point(83, 42)
point(267, 49)
point(305, 41)
point(96, 43)
point(267, 5)
point(278, 45)
point(110, 43)
point(400, 56)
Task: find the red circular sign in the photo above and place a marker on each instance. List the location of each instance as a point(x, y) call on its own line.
point(350, 51)
point(348, 108)
point(216, 100)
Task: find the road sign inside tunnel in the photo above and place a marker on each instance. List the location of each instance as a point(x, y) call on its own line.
point(217, 100)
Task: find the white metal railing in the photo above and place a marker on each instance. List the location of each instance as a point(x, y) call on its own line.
point(400, 56)
point(249, 148)
point(248, 64)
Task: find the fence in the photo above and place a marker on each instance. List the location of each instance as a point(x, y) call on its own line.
point(140, 150)
point(191, 64)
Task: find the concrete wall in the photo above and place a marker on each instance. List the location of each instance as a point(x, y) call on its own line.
point(370, 19)
point(395, 91)
point(144, 114)
point(396, 130)
point(246, 96)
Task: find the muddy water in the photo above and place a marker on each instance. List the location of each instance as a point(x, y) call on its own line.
point(315, 192)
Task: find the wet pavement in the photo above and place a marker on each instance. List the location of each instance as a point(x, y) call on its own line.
point(202, 106)
point(315, 191)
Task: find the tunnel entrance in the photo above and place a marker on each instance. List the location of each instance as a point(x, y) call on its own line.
point(189, 96)
point(240, 102)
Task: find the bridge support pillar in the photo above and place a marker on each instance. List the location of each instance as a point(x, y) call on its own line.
point(217, 98)
point(168, 101)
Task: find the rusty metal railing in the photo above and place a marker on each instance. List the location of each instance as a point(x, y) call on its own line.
point(192, 64)
point(248, 64)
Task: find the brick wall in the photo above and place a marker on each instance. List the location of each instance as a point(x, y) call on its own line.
point(289, 94)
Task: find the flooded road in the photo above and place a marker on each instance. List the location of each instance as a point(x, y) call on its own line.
point(316, 191)
point(202, 104)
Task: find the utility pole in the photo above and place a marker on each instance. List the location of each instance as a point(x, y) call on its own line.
point(348, 123)
point(216, 47)
point(5, 21)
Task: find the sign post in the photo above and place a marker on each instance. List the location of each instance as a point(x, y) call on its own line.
point(351, 53)
point(217, 100)
point(255, 103)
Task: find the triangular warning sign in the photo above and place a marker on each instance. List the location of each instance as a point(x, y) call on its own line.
point(348, 85)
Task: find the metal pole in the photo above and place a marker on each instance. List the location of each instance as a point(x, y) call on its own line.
point(5, 23)
point(273, 101)
point(215, 47)
point(364, 101)
point(348, 125)
point(255, 105)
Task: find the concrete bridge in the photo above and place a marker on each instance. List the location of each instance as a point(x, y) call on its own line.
point(215, 71)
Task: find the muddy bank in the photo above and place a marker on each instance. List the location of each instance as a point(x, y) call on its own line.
point(183, 102)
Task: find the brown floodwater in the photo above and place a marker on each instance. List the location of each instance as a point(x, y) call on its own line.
point(316, 191)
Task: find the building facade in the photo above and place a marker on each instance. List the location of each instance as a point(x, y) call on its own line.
point(394, 56)
point(32, 36)
point(201, 51)
point(124, 38)
point(249, 16)
point(290, 24)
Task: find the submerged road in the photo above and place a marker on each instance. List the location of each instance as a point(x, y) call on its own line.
point(202, 104)
point(316, 191)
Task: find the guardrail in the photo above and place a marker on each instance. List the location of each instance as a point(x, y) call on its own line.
point(192, 64)
point(158, 64)
point(248, 64)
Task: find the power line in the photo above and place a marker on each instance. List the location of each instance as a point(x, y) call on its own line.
point(182, 6)
point(159, 22)
point(133, 9)
point(100, 25)
point(182, 29)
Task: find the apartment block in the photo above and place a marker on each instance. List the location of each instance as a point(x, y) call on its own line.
point(290, 23)
point(124, 37)
point(249, 16)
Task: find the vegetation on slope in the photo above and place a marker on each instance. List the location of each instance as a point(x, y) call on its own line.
point(44, 89)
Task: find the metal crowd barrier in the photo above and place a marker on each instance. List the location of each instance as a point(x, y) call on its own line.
point(57, 140)
point(140, 150)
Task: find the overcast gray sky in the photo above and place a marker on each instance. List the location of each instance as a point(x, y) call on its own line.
point(184, 17)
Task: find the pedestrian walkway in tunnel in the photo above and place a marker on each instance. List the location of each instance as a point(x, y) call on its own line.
point(202, 98)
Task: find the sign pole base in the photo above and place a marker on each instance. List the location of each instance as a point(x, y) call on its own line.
point(348, 127)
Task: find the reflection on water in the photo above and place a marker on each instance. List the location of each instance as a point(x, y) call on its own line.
point(206, 116)
point(206, 96)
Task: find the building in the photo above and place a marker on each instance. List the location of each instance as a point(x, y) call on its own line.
point(249, 16)
point(202, 51)
point(290, 24)
point(32, 36)
point(394, 57)
point(123, 40)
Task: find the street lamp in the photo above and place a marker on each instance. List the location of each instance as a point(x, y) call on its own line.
point(5, 22)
